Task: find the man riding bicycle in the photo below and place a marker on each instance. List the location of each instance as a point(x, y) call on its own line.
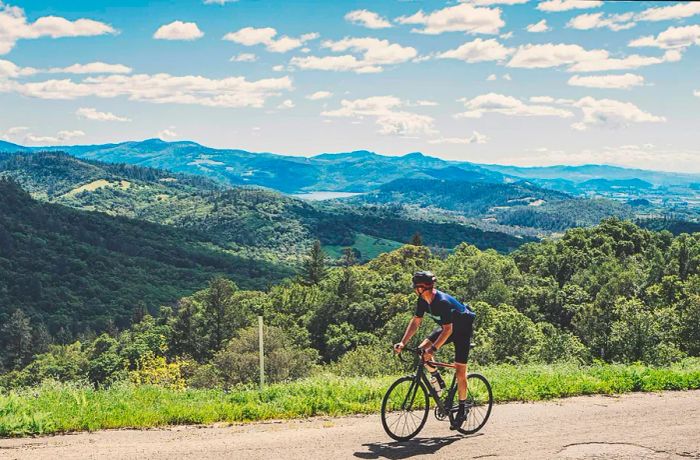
point(455, 325)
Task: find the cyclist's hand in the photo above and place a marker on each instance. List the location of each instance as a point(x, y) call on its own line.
point(427, 354)
point(398, 347)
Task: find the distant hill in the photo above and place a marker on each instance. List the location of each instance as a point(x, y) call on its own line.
point(356, 171)
point(250, 222)
point(77, 270)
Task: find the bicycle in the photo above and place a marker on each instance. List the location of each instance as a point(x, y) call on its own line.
point(409, 395)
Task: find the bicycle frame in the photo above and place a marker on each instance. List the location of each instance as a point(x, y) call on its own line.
point(420, 375)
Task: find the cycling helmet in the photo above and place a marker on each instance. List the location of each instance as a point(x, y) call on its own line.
point(424, 277)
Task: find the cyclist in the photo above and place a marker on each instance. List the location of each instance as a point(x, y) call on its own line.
point(455, 325)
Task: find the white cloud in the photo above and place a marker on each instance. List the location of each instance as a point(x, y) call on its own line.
point(610, 113)
point(633, 61)
point(566, 5)
point(677, 11)
point(538, 27)
point(319, 95)
point(244, 57)
point(251, 36)
point(92, 67)
point(506, 36)
point(93, 114)
point(23, 135)
point(167, 133)
point(613, 22)
point(491, 77)
point(159, 88)
point(696, 93)
point(478, 50)
point(367, 19)
point(458, 18)
point(475, 138)
point(178, 30)
point(494, 2)
point(14, 26)
point(278, 68)
point(507, 105)
point(286, 104)
point(507, 76)
point(625, 81)
point(9, 69)
point(425, 103)
point(386, 112)
point(218, 2)
point(553, 55)
point(375, 54)
point(673, 37)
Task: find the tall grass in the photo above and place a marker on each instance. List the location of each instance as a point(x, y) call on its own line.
point(55, 407)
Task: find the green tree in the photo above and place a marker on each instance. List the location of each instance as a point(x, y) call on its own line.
point(16, 340)
point(314, 267)
point(417, 239)
point(219, 311)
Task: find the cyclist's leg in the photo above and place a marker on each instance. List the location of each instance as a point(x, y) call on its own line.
point(462, 338)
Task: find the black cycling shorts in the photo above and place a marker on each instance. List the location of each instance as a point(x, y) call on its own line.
point(462, 327)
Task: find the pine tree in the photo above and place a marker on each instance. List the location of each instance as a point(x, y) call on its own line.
point(315, 265)
point(349, 256)
point(16, 340)
point(417, 239)
point(218, 310)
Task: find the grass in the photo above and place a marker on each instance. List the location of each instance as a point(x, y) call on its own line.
point(57, 408)
point(369, 247)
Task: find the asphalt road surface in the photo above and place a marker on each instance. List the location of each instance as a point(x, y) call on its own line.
point(634, 426)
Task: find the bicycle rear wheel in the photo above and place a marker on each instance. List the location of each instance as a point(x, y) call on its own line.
point(479, 402)
point(405, 408)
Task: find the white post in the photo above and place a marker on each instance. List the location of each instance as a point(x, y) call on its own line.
point(262, 356)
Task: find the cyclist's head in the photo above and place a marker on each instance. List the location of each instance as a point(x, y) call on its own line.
point(424, 280)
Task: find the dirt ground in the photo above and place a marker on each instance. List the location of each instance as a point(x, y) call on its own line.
point(635, 426)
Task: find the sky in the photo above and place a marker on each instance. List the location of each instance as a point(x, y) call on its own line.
point(511, 81)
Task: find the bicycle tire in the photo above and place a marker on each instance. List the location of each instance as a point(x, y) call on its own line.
point(396, 393)
point(480, 399)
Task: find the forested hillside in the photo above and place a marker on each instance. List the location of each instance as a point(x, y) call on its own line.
point(519, 204)
point(72, 271)
point(613, 292)
point(249, 221)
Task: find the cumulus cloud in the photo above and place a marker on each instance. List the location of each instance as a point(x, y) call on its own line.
point(613, 22)
point(610, 113)
point(671, 38)
point(696, 93)
point(566, 5)
point(251, 36)
point(23, 135)
point(93, 114)
point(14, 26)
point(286, 104)
point(492, 77)
point(458, 18)
point(387, 114)
point(9, 69)
point(677, 11)
point(494, 2)
point(553, 55)
point(318, 95)
point(478, 51)
point(375, 54)
point(507, 105)
point(633, 61)
point(625, 81)
point(159, 88)
point(475, 138)
point(92, 67)
point(579, 59)
point(218, 2)
point(538, 27)
point(178, 30)
point(167, 133)
point(244, 57)
point(367, 19)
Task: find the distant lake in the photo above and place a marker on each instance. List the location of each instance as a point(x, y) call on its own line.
point(321, 195)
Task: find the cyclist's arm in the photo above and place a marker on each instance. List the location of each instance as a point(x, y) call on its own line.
point(413, 326)
point(444, 335)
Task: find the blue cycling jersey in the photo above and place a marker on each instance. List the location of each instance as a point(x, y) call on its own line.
point(444, 308)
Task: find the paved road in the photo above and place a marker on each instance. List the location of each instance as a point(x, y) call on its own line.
point(636, 426)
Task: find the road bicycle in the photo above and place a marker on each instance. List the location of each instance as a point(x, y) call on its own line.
point(406, 405)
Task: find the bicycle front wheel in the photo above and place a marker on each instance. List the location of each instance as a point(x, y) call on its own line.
point(405, 408)
point(479, 402)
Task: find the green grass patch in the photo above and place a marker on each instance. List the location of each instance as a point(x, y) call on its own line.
point(56, 408)
point(369, 247)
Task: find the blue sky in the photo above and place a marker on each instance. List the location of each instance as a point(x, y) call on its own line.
point(510, 81)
